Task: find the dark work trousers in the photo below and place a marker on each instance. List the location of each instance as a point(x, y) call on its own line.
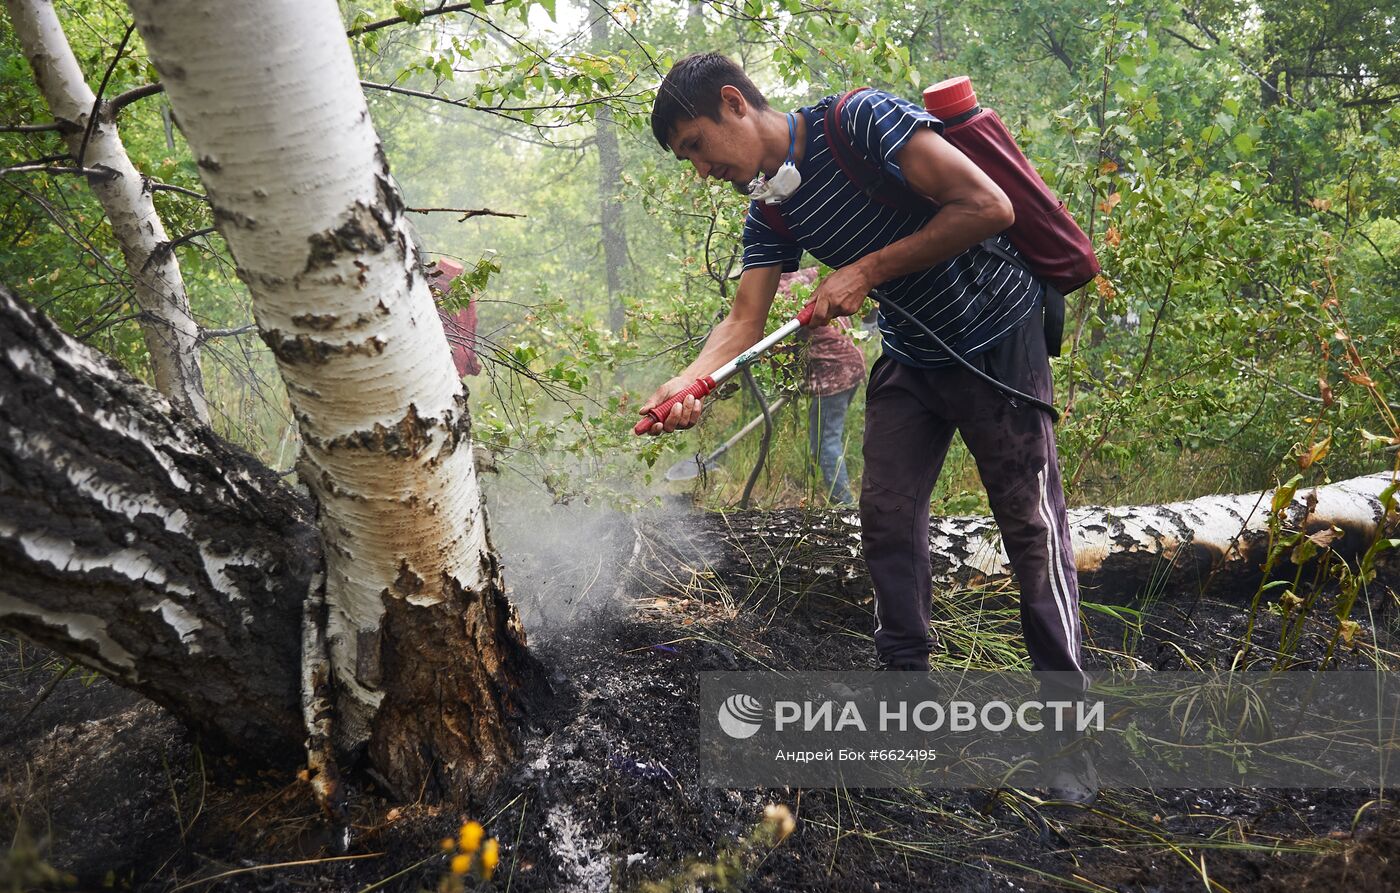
point(910, 417)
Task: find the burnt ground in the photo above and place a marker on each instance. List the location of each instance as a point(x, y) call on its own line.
point(111, 791)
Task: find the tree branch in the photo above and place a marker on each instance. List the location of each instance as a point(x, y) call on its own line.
point(122, 100)
point(467, 213)
point(1184, 39)
point(57, 126)
point(163, 250)
point(102, 88)
point(208, 334)
point(157, 186)
point(74, 237)
point(440, 9)
point(502, 110)
point(45, 166)
point(1372, 101)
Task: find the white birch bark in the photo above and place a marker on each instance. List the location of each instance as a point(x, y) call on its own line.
point(170, 332)
point(134, 541)
point(268, 97)
point(1121, 548)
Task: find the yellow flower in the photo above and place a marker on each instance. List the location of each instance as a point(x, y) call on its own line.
point(471, 836)
point(448, 844)
point(779, 821)
point(786, 827)
point(490, 855)
point(461, 863)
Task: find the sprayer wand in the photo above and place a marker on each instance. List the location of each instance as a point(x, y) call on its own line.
point(707, 384)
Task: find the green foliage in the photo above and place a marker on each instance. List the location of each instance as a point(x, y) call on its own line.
point(1237, 168)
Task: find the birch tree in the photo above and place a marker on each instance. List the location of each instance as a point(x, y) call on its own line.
point(136, 542)
point(89, 130)
point(425, 651)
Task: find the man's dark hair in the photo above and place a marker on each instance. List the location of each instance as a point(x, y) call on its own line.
point(691, 89)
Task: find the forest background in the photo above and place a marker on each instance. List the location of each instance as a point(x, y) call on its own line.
point(1235, 164)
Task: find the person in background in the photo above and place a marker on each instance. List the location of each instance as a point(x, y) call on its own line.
point(460, 327)
point(835, 369)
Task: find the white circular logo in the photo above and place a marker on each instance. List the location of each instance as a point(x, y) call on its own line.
point(740, 716)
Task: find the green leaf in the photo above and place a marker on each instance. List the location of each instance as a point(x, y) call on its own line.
point(411, 14)
point(1284, 495)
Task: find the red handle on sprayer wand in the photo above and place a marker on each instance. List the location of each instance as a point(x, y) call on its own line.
point(707, 384)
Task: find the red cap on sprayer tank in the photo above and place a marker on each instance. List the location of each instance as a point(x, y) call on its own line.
point(949, 98)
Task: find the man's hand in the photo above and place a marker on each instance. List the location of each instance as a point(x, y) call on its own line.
point(841, 294)
point(683, 415)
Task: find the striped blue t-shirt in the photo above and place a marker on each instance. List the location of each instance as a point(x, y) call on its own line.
point(970, 301)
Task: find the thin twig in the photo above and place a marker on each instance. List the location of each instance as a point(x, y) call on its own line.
point(299, 863)
point(48, 690)
point(101, 88)
point(495, 109)
point(33, 128)
point(75, 238)
point(1255, 370)
point(467, 213)
point(207, 334)
point(164, 249)
point(440, 9)
point(101, 172)
point(157, 186)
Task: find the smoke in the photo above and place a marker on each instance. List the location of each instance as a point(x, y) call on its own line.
point(562, 563)
point(575, 567)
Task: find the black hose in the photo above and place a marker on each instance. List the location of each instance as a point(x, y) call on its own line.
point(767, 436)
point(887, 304)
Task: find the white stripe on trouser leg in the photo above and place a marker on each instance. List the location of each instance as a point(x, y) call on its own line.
point(1071, 606)
point(1057, 556)
point(1055, 592)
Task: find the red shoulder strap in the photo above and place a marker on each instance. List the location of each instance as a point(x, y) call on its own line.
point(858, 169)
point(867, 177)
point(852, 163)
point(773, 216)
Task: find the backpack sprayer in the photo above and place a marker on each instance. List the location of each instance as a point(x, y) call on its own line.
point(1052, 246)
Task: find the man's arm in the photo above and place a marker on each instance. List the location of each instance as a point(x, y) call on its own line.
point(973, 208)
point(737, 332)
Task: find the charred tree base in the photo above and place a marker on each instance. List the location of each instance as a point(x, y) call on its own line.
point(446, 734)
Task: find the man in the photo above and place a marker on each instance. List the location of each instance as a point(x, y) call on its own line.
point(981, 306)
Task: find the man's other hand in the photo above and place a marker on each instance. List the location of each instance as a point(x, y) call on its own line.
point(840, 294)
point(683, 415)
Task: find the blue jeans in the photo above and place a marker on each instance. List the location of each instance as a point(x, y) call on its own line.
point(826, 424)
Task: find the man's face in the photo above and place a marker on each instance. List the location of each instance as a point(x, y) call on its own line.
point(727, 149)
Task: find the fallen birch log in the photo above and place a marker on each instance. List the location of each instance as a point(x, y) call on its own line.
point(1214, 544)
